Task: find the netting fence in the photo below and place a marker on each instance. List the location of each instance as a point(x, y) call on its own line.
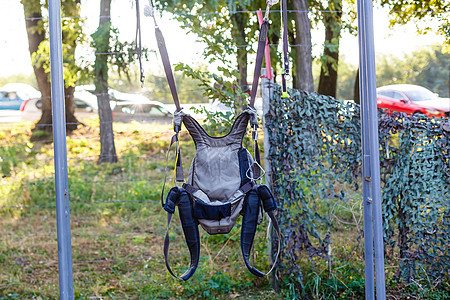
point(316, 165)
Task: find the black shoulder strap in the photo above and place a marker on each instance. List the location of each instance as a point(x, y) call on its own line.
point(179, 197)
point(250, 221)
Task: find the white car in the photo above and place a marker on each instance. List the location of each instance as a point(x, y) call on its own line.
point(85, 106)
point(24, 90)
point(217, 106)
point(115, 95)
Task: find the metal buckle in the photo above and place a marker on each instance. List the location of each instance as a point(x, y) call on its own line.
point(251, 167)
point(255, 134)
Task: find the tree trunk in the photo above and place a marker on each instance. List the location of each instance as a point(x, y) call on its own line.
point(356, 88)
point(302, 54)
point(240, 23)
point(36, 35)
point(330, 59)
point(101, 40)
point(71, 121)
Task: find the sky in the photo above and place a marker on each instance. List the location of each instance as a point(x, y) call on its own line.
point(182, 47)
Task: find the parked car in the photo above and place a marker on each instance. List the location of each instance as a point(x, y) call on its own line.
point(150, 108)
point(85, 105)
point(412, 99)
point(10, 100)
point(13, 95)
point(115, 95)
point(127, 106)
point(217, 106)
point(25, 90)
point(150, 111)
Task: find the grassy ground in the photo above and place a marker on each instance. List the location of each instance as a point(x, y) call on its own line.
point(118, 228)
point(117, 223)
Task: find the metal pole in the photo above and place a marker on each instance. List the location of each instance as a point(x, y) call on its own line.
point(267, 94)
point(267, 83)
point(371, 159)
point(60, 153)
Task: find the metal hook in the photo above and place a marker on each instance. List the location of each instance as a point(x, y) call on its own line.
point(251, 167)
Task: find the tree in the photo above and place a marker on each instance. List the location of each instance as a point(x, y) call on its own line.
point(332, 20)
point(188, 90)
point(405, 11)
point(428, 67)
point(303, 78)
point(225, 26)
point(101, 40)
point(40, 54)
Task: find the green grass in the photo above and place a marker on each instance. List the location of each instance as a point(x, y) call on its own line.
point(117, 223)
point(118, 227)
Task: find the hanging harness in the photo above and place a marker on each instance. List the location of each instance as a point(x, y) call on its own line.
point(223, 175)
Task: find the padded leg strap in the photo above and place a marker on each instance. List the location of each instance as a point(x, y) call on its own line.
point(249, 223)
point(180, 197)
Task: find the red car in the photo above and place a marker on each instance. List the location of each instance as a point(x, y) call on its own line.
point(409, 99)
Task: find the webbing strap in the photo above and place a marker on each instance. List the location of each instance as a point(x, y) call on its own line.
point(150, 12)
point(248, 230)
point(178, 160)
point(179, 176)
point(167, 66)
point(285, 72)
point(190, 230)
point(257, 167)
point(259, 60)
point(139, 43)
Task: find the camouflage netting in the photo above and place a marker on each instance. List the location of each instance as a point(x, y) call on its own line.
point(316, 162)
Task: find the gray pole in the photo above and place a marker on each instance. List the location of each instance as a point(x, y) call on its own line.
point(267, 94)
point(371, 159)
point(60, 153)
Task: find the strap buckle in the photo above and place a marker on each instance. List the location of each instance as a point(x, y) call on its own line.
point(263, 172)
point(286, 74)
point(255, 134)
point(177, 120)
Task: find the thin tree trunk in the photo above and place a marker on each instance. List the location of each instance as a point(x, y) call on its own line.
point(36, 35)
point(330, 61)
point(101, 38)
point(302, 54)
point(71, 121)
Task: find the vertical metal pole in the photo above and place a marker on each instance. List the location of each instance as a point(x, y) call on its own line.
point(267, 83)
point(60, 153)
point(371, 159)
point(267, 94)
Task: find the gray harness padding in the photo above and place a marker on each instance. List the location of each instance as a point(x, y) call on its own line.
point(215, 168)
point(215, 174)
